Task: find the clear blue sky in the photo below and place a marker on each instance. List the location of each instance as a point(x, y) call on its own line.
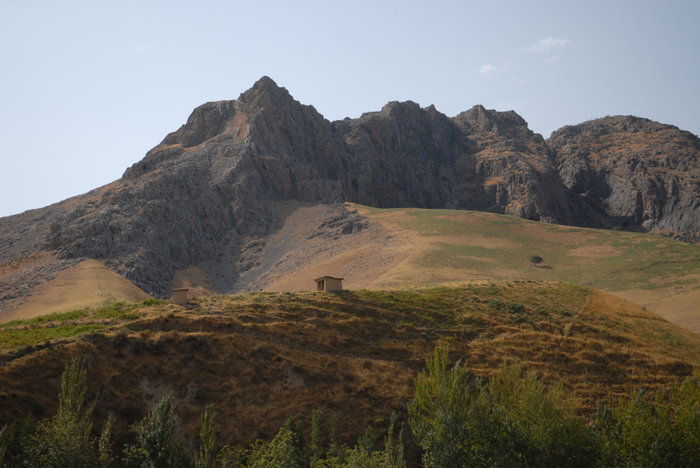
point(87, 87)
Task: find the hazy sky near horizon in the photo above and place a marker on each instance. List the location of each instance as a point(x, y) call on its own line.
point(88, 87)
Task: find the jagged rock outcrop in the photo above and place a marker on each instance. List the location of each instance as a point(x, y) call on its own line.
point(639, 174)
point(209, 194)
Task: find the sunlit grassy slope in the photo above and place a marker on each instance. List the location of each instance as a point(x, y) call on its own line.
point(87, 284)
point(446, 245)
point(262, 357)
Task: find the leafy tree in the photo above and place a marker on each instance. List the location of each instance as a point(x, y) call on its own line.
point(155, 447)
point(65, 440)
point(333, 434)
point(3, 449)
point(536, 260)
point(317, 451)
point(663, 430)
point(286, 450)
point(363, 454)
point(438, 414)
point(684, 402)
point(209, 451)
point(105, 456)
point(15, 441)
point(394, 455)
point(511, 421)
point(539, 427)
point(367, 441)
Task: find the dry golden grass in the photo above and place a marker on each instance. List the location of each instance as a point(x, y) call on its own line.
point(438, 246)
point(262, 357)
point(88, 284)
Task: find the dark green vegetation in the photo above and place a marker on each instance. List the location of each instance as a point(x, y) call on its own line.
point(514, 420)
point(511, 420)
point(536, 259)
point(18, 333)
point(263, 358)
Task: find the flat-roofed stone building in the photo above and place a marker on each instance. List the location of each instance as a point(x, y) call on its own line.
point(329, 283)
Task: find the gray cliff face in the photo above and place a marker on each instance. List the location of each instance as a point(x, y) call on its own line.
point(515, 167)
point(210, 193)
point(639, 174)
point(401, 156)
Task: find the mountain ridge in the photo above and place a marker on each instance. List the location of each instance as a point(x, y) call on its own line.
point(210, 192)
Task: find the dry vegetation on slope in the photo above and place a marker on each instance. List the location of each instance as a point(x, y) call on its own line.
point(395, 248)
point(88, 283)
point(261, 357)
point(658, 273)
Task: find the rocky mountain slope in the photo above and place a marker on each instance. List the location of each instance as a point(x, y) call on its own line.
point(211, 193)
point(640, 174)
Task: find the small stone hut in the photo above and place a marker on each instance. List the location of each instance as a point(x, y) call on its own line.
point(329, 283)
point(180, 296)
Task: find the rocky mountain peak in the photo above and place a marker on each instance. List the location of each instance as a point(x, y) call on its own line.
point(211, 192)
point(643, 174)
point(211, 119)
point(205, 122)
point(400, 107)
point(265, 83)
point(481, 120)
point(265, 93)
point(606, 125)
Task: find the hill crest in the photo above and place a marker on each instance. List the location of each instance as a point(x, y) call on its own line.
point(263, 357)
point(214, 190)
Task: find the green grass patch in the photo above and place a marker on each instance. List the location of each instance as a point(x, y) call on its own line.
point(152, 301)
point(61, 325)
point(117, 311)
point(15, 338)
point(43, 319)
point(496, 245)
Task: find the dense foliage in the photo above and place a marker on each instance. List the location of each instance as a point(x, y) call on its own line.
point(510, 421)
point(457, 420)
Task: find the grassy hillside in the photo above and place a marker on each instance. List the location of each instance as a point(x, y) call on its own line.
point(88, 283)
point(447, 245)
point(402, 248)
point(261, 357)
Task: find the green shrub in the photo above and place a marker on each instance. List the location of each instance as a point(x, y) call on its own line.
point(65, 440)
point(537, 426)
point(209, 450)
point(363, 454)
point(511, 421)
point(117, 311)
point(154, 435)
point(152, 301)
point(439, 411)
point(663, 430)
point(287, 449)
point(15, 442)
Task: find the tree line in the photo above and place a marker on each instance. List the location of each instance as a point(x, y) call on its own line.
point(456, 419)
